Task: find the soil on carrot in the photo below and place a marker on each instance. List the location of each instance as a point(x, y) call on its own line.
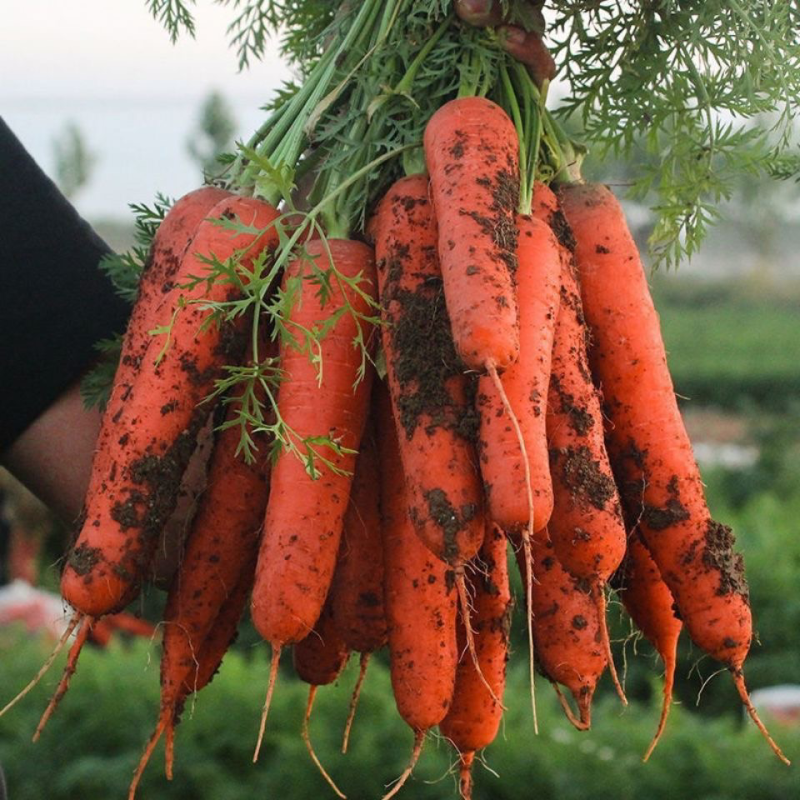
point(500, 226)
point(580, 420)
point(560, 227)
point(673, 512)
point(720, 556)
point(449, 519)
point(160, 477)
point(425, 358)
point(83, 558)
point(582, 475)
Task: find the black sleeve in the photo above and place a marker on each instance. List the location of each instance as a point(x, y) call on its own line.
point(54, 301)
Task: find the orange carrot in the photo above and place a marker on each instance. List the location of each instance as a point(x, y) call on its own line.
point(659, 479)
point(435, 422)
point(472, 154)
point(220, 555)
point(222, 546)
point(650, 604)
point(420, 603)
point(356, 594)
point(170, 243)
point(566, 629)
point(208, 658)
point(304, 517)
point(525, 383)
point(474, 716)
point(586, 528)
point(157, 425)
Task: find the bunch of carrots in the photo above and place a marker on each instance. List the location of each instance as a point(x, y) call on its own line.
point(474, 372)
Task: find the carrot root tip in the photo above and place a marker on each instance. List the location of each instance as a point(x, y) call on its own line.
point(148, 752)
point(465, 775)
point(312, 692)
point(273, 677)
point(419, 740)
point(362, 671)
point(86, 626)
point(669, 679)
point(74, 621)
point(600, 599)
point(738, 680)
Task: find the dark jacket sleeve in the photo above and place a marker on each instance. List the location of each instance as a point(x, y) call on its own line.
point(54, 301)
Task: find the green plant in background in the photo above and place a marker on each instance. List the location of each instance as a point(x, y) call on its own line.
point(213, 134)
point(74, 161)
point(92, 744)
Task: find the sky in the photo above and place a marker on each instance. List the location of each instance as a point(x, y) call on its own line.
point(109, 67)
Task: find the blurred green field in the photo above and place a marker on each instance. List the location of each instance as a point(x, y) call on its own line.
point(92, 744)
point(732, 345)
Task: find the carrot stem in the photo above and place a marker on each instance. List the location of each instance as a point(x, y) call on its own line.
point(312, 692)
point(526, 535)
point(69, 671)
point(273, 677)
point(76, 618)
point(363, 663)
point(419, 740)
point(738, 682)
point(600, 599)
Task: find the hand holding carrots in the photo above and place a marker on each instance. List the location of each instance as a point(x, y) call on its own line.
point(523, 44)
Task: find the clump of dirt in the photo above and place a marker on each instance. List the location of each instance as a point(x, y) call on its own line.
point(425, 360)
point(720, 556)
point(580, 420)
point(561, 229)
point(83, 558)
point(582, 475)
point(449, 519)
point(670, 514)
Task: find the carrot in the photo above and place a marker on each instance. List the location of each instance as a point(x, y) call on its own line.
point(170, 243)
point(149, 428)
point(208, 658)
point(356, 594)
point(566, 629)
point(474, 716)
point(586, 528)
point(420, 603)
point(433, 414)
point(157, 426)
point(472, 154)
point(220, 554)
point(222, 545)
point(650, 605)
point(525, 383)
point(659, 479)
point(304, 517)
point(435, 421)
point(318, 660)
